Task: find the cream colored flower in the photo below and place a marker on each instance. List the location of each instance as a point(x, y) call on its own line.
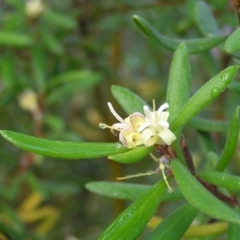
point(155, 128)
point(28, 100)
point(34, 8)
point(129, 136)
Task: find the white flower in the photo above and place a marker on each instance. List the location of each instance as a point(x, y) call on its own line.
point(28, 100)
point(129, 136)
point(34, 8)
point(155, 128)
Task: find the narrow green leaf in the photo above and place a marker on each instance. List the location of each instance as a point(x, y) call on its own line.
point(132, 156)
point(205, 20)
point(232, 43)
point(119, 190)
point(204, 96)
point(39, 65)
point(87, 78)
point(131, 222)
point(175, 225)
point(70, 82)
point(179, 81)
point(14, 39)
point(211, 160)
point(128, 100)
point(59, 19)
point(57, 149)
point(10, 232)
point(127, 191)
point(207, 125)
point(7, 71)
point(194, 45)
point(233, 231)
point(231, 143)
point(221, 179)
point(51, 42)
point(199, 197)
point(235, 86)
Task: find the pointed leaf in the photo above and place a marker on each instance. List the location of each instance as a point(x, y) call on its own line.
point(204, 96)
point(51, 42)
point(207, 125)
point(131, 222)
point(206, 21)
point(39, 66)
point(128, 100)
point(67, 150)
point(235, 86)
point(232, 43)
point(175, 225)
point(231, 143)
point(127, 191)
point(199, 197)
point(221, 179)
point(134, 155)
point(179, 81)
point(87, 78)
point(233, 231)
point(14, 39)
point(59, 19)
point(193, 45)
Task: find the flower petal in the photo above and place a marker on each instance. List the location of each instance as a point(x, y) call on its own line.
point(160, 110)
point(149, 137)
point(148, 113)
point(163, 116)
point(167, 136)
point(164, 124)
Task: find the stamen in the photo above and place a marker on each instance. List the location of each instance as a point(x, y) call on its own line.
point(154, 105)
point(153, 157)
point(114, 113)
point(137, 175)
point(163, 161)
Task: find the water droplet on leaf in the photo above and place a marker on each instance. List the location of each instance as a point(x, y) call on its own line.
point(215, 92)
point(119, 145)
point(224, 78)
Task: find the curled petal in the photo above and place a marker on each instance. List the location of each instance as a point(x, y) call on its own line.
point(160, 110)
point(162, 107)
point(143, 126)
point(132, 139)
point(167, 136)
point(148, 113)
point(149, 137)
point(163, 116)
point(122, 139)
point(164, 124)
point(135, 120)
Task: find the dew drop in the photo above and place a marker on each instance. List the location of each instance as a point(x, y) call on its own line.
point(215, 92)
point(119, 146)
point(102, 125)
point(224, 78)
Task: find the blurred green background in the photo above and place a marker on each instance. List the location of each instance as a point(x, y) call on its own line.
point(58, 61)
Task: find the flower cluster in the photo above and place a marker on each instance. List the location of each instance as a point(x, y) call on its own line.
point(138, 129)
